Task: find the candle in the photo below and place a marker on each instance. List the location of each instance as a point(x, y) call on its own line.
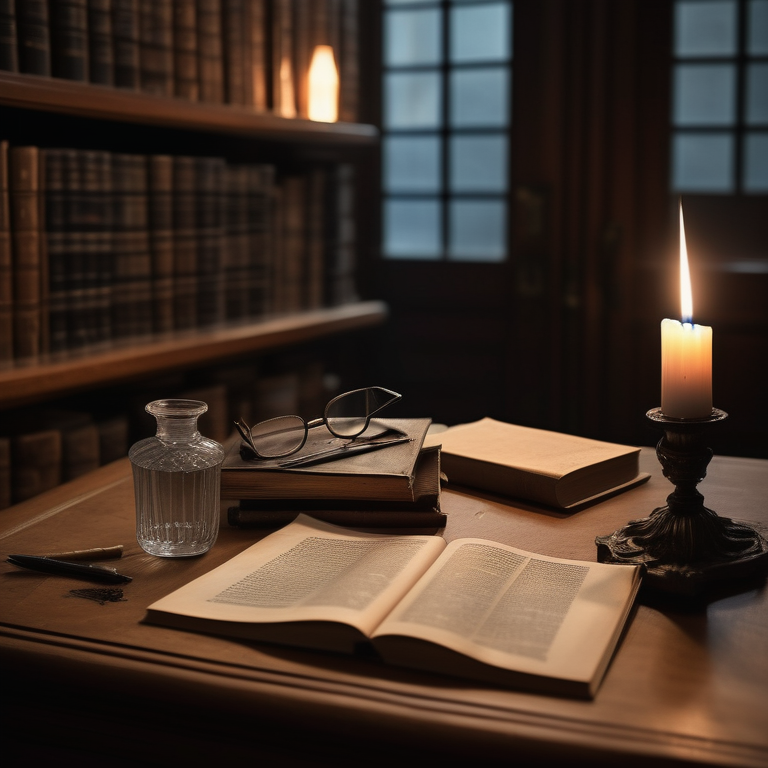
point(686, 354)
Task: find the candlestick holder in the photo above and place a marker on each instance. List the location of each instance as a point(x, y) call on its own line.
point(685, 546)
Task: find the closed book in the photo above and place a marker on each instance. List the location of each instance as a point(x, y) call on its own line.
point(283, 94)
point(349, 61)
point(261, 243)
point(125, 39)
point(9, 56)
point(209, 186)
point(472, 608)
point(210, 54)
point(33, 29)
point(184, 243)
point(185, 72)
point(256, 55)
point(101, 56)
point(69, 39)
point(132, 290)
point(156, 47)
point(386, 474)
point(78, 294)
point(26, 241)
point(233, 32)
point(6, 261)
point(56, 223)
point(160, 213)
point(550, 468)
point(95, 227)
point(236, 242)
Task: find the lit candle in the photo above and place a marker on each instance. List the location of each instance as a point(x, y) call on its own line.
point(686, 354)
point(323, 86)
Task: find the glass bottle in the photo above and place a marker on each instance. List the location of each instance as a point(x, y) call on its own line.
point(177, 477)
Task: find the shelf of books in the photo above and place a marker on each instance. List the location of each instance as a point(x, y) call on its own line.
point(47, 376)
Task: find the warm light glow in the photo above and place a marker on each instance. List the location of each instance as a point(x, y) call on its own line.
point(686, 294)
point(323, 86)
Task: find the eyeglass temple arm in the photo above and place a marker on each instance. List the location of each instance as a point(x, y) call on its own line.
point(395, 396)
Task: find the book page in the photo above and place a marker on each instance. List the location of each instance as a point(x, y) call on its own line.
point(508, 608)
point(308, 571)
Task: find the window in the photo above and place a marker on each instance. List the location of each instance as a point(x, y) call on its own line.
point(720, 96)
point(445, 143)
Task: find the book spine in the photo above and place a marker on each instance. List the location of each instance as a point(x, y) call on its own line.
point(209, 51)
point(314, 269)
point(209, 186)
point(236, 289)
point(185, 56)
point(260, 241)
point(24, 185)
point(101, 58)
point(34, 48)
point(56, 240)
point(125, 39)
point(161, 241)
point(256, 69)
point(9, 52)
point(156, 46)
point(283, 96)
point(95, 228)
point(184, 243)
point(6, 261)
point(302, 46)
point(69, 39)
point(131, 298)
point(233, 37)
point(348, 61)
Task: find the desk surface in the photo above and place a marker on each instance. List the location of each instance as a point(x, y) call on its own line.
point(688, 683)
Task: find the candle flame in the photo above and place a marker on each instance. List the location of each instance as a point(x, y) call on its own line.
point(323, 86)
point(686, 295)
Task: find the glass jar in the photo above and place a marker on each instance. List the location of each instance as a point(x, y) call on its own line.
point(177, 477)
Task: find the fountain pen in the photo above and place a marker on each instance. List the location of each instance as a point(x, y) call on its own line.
point(64, 568)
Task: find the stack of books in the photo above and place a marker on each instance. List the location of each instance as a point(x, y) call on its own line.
point(397, 486)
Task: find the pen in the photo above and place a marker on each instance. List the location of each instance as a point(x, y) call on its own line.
point(79, 570)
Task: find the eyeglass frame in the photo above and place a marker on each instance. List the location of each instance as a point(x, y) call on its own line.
point(246, 431)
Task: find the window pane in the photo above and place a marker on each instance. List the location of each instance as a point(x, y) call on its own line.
point(704, 94)
point(480, 97)
point(412, 37)
point(702, 163)
point(478, 164)
point(706, 28)
point(757, 28)
point(756, 162)
point(480, 33)
point(412, 229)
point(477, 230)
point(412, 164)
point(412, 100)
point(757, 94)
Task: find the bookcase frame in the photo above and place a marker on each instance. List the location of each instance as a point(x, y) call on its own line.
point(46, 379)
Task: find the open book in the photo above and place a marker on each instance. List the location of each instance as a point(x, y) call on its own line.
point(471, 608)
point(552, 468)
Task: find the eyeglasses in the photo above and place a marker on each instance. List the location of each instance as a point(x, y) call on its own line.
point(346, 416)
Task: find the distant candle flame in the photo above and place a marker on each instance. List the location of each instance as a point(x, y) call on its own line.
point(686, 295)
point(323, 86)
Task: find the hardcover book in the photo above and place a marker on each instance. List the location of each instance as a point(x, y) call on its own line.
point(472, 608)
point(550, 468)
point(386, 474)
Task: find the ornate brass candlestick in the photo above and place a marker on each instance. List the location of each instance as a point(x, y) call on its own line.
point(685, 546)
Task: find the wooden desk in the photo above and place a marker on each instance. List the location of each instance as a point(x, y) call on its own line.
point(688, 684)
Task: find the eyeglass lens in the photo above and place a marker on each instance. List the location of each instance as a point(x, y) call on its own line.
point(278, 437)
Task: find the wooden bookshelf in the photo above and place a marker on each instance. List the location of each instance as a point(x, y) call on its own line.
point(66, 97)
point(41, 380)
